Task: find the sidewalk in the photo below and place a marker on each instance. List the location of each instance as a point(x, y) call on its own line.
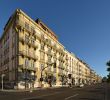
point(108, 92)
point(28, 90)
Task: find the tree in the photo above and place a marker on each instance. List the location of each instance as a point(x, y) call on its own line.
point(104, 79)
point(108, 69)
point(108, 63)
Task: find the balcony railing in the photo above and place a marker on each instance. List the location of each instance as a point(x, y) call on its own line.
point(48, 42)
point(49, 62)
point(33, 44)
point(21, 23)
point(29, 42)
point(27, 67)
point(49, 53)
point(61, 50)
point(61, 58)
point(61, 67)
point(28, 54)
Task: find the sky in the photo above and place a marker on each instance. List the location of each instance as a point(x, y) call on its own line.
point(82, 26)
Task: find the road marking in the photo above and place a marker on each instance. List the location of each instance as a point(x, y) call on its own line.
point(41, 96)
point(71, 96)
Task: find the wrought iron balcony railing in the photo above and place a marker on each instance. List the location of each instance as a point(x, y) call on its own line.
point(29, 41)
point(28, 54)
point(20, 23)
point(28, 67)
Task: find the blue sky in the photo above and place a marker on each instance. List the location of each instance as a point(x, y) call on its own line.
point(83, 26)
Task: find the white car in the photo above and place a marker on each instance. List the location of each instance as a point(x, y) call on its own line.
point(81, 85)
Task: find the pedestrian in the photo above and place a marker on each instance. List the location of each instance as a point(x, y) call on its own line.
point(69, 82)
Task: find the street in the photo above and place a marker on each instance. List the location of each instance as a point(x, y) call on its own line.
point(93, 92)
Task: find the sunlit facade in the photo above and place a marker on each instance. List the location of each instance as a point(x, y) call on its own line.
point(31, 56)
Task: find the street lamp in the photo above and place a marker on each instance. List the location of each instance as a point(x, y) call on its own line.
point(31, 82)
point(2, 80)
point(41, 79)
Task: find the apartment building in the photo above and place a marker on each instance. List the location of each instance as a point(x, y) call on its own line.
point(31, 56)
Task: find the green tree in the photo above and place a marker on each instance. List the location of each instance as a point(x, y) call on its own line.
point(108, 69)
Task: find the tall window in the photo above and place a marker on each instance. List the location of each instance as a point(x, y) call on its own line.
point(26, 62)
point(26, 38)
point(42, 56)
point(26, 25)
point(49, 58)
point(32, 63)
point(49, 61)
point(32, 40)
point(54, 70)
point(49, 49)
point(32, 29)
point(42, 46)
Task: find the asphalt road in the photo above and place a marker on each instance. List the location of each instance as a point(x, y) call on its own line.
point(94, 92)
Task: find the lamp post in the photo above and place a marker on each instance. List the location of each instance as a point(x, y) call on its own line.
point(2, 80)
point(31, 83)
point(41, 79)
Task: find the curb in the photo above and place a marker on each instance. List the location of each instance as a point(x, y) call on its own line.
point(29, 90)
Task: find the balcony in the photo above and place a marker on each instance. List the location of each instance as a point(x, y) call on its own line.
point(61, 58)
point(54, 46)
point(49, 53)
point(23, 66)
point(48, 42)
point(61, 67)
point(31, 43)
point(28, 54)
point(60, 73)
point(67, 58)
point(49, 62)
point(61, 50)
point(21, 38)
point(21, 24)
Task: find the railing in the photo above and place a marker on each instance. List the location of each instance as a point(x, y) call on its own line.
point(29, 42)
point(49, 52)
point(61, 67)
point(34, 44)
point(61, 50)
point(49, 62)
point(28, 54)
point(48, 42)
point(27, 67)
point(61, 58)
point(21, 23)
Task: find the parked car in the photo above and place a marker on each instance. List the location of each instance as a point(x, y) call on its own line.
point(81, 85)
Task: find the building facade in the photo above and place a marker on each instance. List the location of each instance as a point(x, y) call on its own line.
point(31, 56)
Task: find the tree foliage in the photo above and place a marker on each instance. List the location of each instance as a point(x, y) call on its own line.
point(108, 69)
point(108, 63)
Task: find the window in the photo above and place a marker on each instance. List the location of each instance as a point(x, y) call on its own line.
point(32, 40)
point(26, 62)
point(54, 70)
point(42, 56)
point(26, 25)
point(49, 58)
point(32, 63)
point(32, 29)
point(49, 49)
point(26, 38)
point(42, 46)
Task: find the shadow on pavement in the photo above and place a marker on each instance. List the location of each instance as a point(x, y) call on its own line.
point(35, 99)
point(88, 99)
